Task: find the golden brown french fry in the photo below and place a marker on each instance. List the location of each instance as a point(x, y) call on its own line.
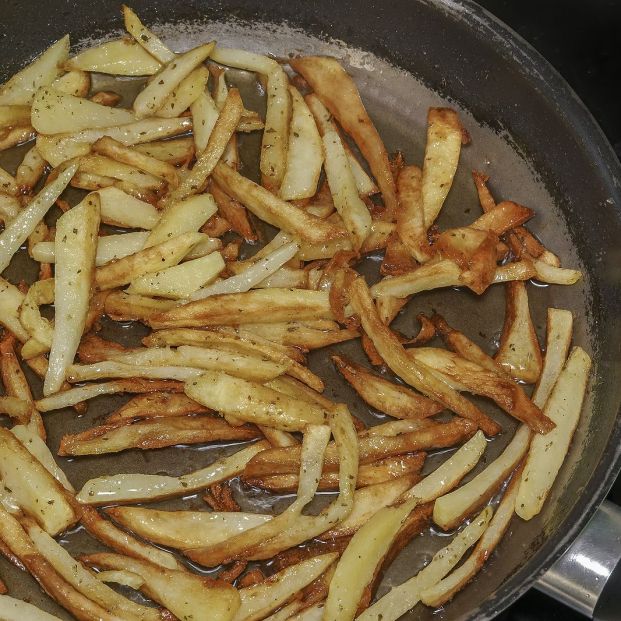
point(153, 96)
point(185, 594)
point(16, 136)
point(224, 128)
point(234, 212)
point(519, 352)
point(158, 257)
point(100, 166)
point(122, 306)
point(275, 211)
point(152, 433)
point(252, 402)
point(307, 335)
point(284, 305)
point(121, 541)
point(418, 376)
point(155, 405)
point(410, 215)
point(124, 488)
point(339, 94)
point(383, 395)
point(21, 88)
point(442, 151)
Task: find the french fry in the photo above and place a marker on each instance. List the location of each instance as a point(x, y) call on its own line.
point(184, 529)
point(124, 488)
point(113, 369)
point(11, 299)
point(175, 151)
point(122, 306)
point(75, 249)
point(205, 115)
point(238, 364)
point(261, 599)
point(57, 113)
point(445, 589)
point(284, 304)
point(404, 597)
point(348, 204)
point(252, 276)
point(152, 433)
point(76, 83)
point(106, 98)
point(122, 577)
point(547, 453)
point(519, 352)
point(16, 136)
point(15, 408)
point(145, 37)
point(179, 281)
point(442, 151)
point(34, 488)
point(158, 257)
point(186, 595)
point(30, 170)
point(10, 206)
point(62, 147)
point(16, 233)
point(366, 186)
point(234, 212)
point(121, 541)
point(185, 94)
point(371, 448)
point(84, 581)
point(397, 359)
point(304, 152)
point(21, 88)
point(13, 609)
point(340, 95)
point(273, 160)
point(101, 166)
point(154, 405)
point(20, 546)
point(120, 57)
point(109, 248)
point(8, 184)
point(40, 329)
point(462, 374)
point(273, 210)
point(252, 402)
point(383, 395)
point(153, 96)
point(368, 474)
point(113, 149)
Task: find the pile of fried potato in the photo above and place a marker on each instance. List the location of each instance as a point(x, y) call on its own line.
point(156, 239)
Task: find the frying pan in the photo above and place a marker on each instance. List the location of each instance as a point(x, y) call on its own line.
point(530, 133)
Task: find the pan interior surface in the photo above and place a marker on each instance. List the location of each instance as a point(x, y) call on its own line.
point(397, 101)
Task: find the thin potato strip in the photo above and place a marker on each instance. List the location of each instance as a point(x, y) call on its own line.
point(121, 209)
point(404, 597)
point(186, 93)
point(547, 453)
point(205, 115)
point(411, 215)
point(21, 88)
point(30, 170)
point(11, 299)
point(16, 233)
point(113, 369)
point(13, 609)
point(121, 57)
point(153, 96)
point(397, 359)
point(339, 94)
point(75, 250)
point(41, 329)
point(274, 210)
point(304, 152)
point(122, 306)
point(131, 488)
point(145, 37)
point(348, 204)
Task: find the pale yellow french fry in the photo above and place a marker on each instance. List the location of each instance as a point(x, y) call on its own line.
point(16, 136)
point(10, 206)
point(179, 281)
point(121, 576)
point(12, 609)
point(241, 59)
point(11, 299)
point(40, 328)
point(113, 369)
point(30, 170)
point(16, 233)
point(21, 88)
point(131, 488)
point(121, 57)
point(153, 96)
point(121, 209)
point(185, 94)
point(145, 37)
point(349, 205)
point(12, 116)
point(205, 114)
point(107, 167)
point(75, 250)
point(8, 184)
point(304, 152)
point(57, 113)
point(174, 151)
point(76, 83)
point(158, 257)
point(180, 217)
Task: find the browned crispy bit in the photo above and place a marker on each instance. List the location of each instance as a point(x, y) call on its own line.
point(397, 259)
point(106, 98)
point(220, 498)
point(233, 571)
point(369, 349)
point(96, 311)
point(234, 212)
point(296, 555)
point(216, 226)
point(387, 397)
point(485, 196)
point(503, 217)
point(254, 576)
point(230, 252)
point(95, 349)
point(425, 334)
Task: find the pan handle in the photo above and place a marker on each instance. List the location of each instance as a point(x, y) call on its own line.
point(587, 577)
